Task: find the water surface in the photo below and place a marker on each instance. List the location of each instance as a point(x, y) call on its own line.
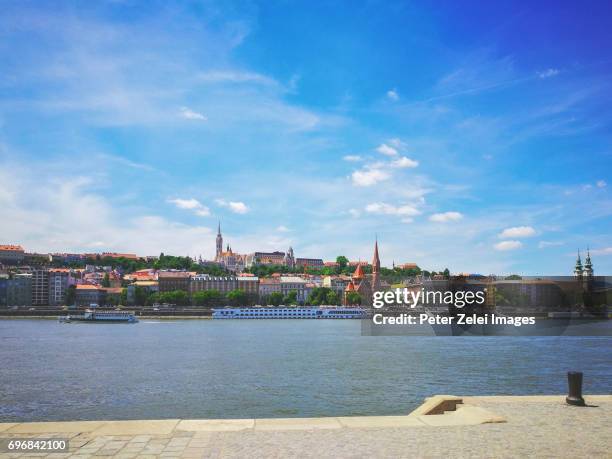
point(268, 368)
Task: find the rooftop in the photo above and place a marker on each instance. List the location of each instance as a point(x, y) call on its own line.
point(11, 247)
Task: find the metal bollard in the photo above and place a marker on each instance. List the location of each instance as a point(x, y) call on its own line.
point(574, 380)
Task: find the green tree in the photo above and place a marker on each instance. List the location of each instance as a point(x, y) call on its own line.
point(70, 295)
point(206, 298)
point(353, 298)
point(514, 277)
point(318, 296)
point(332, 298)
point(237, 297)
point(291, 298)
point(275, 298)
point(106, 280)
point(123, 297)
point(140, 295)
point(176, 297)
point(342, 261)
point(446, 273)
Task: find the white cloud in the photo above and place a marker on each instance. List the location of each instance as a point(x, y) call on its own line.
point(282, 229)
point(353, 158)
point(508, 245)
point(189, 114)
point(601, 183)
point(517, 232)
point(385, 149)
point(603, 251)
point(548, 73)
point(392, 94)
point(397, 143)
point(403, 162)
point(238, 207)
point(445, 217)
point(369, 176)
point(545, 244)
point(383, 208)
point(354, 213)
point(191, 204)
point(59, 214)
point(407, 220)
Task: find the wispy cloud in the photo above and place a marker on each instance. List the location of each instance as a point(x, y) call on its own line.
point(387, 150)
point(548, 73)
point(191, 204)
point(127, 162)
point(404, 162)
point(235, 76)
point(517, 232)
point(446, 217)
point(508, 245)
point(189, 114)
point(392, 94)
point(352, 158)
point(369, 176)
point(238, 207)
point(383, 208)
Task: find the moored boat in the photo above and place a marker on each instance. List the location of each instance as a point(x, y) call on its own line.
point(101, 317)
point(281, 312)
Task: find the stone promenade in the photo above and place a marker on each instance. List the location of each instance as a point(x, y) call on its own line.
point(487, 427)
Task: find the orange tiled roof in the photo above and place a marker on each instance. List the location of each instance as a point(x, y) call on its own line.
point(269, 281)
point(11, 247)
point(86, 287)
point(358, 274)
point(174, 274)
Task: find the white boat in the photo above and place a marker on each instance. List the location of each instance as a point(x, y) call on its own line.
point(101, 316)
point(297, 312)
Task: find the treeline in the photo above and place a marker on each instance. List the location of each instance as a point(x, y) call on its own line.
point(211, 298)
point(128, 265)
point(391, 275)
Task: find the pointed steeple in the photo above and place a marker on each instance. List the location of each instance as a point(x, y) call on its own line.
point(376, 259)
point(376, 267)
point(358, 274)
point(578, 267)
point(588, 266)
point(218, 243)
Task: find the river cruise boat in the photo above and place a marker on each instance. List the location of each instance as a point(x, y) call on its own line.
point(101, 317)
point(290, 313)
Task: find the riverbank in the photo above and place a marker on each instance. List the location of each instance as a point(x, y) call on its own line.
point(488, 426)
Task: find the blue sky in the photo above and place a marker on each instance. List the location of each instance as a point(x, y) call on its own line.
point(470, 135)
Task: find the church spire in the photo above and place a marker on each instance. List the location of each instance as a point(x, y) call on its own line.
point(218, 243)
point(376, 259)
point(375, 268)
point(578, 267)
point(588, 266)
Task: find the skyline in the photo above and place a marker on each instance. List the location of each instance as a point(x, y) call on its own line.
point(131, 126)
